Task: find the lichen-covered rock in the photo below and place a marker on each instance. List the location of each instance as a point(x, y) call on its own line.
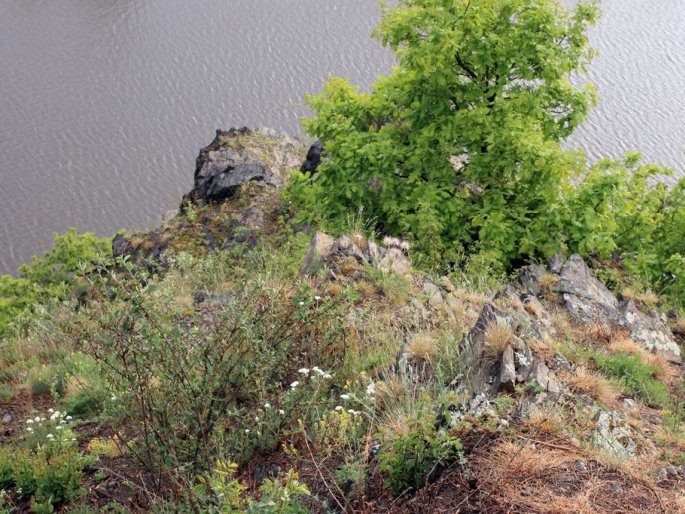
point(650, 331)
point(507, 371)
point(319, 250)
point(239, 156)
point(613, 435)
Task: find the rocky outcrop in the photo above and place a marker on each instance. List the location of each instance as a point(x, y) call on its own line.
point(227, 163)
point(325, 251)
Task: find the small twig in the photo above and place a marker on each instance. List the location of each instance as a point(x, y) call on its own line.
point(323, 479)
point(543, 443)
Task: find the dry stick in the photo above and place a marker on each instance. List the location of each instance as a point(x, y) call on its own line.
point(543, 443)
point(318, 469)
point(651, 489)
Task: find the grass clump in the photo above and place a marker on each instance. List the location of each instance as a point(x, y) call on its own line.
point(635, 376)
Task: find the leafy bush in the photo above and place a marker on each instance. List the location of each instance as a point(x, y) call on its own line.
point(459, 146)
point(417, 452)
point(49, 276)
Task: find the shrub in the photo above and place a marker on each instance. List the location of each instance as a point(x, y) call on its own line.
point(50, 276)
point(459, 146)
point(417, 452)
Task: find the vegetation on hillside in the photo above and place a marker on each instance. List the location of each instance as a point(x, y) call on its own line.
point(204, 371)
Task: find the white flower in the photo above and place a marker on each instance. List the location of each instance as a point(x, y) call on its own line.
point(59, 427)
point(51, 410)
point(318, 370)
point(113, 398)
point(303, 371)
point(371, 389)
point(69, 418)
point(50, 436)
point(339, 408)
point(345, 396)
point(294, 384)
point(317, 298)
point(247, 430)
point(281, 412)
point(37, 419)
point(29, 422)
point(301, 304)
point(43, 419)
point(327, 376)
point(267, 405)
point(256, 418)
point(29, 429)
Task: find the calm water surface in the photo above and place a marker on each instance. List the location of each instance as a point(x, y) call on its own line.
point(105, 103)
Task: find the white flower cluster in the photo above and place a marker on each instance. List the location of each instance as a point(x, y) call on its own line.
point(311, 373)
point(57, 421)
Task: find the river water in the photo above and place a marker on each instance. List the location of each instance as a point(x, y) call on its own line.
point(104, 104)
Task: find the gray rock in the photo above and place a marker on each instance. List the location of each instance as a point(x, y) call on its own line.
point(7, 418)
point(613, 434)
point(650, 331)
point(545, 377)
point(529, 279)
point(507, 371)
point(320, 249)
point(629, 403)
point(373, 253)
point(396, 261)
point(221, 182)
point(555, 263)
point(345, 247)
point(576, 279)
point(433, 294)
point(581, 466)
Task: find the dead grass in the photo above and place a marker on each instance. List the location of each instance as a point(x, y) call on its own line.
point(533, 308)
point(549, 421)
point(548, 281)
point(624, 344)
point(498, 335)
point(679, 327)
point(422, 347)
point(586, 382)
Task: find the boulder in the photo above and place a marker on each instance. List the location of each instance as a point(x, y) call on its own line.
point(507, 371)
point(311, 164)
point(613, 435)
point(650, 331)
point(319, 250)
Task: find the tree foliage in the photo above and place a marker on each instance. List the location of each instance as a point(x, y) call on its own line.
point(459, 146)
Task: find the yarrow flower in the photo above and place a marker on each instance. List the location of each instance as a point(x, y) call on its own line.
point(29, 422)
point(345, 396)
point(50, 436)
point(29, 429)
point(339, 408)
point(113, 398)
point(327, 376)
point(281, 412)
point(267, 405)
point(371, 389)
point(294, 384)
point(317, 298)
point(303, 371)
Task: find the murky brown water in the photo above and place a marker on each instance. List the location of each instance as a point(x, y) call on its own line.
point(105, 103)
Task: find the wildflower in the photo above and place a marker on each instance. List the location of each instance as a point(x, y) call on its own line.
point(29, 422)
point(327, 376)
point(73, 439)
point(281, 412)
point(37, 419)
point(29, 429)
point(301, 304)
point(50, 436)
point(350, 411)
point(59, 427)
point(345, 396)
point(69, 418)
point(247, 430)
point(267, 405)
point(303, 371)
point(51, 410)
point(339, 408)
point(43, 419)
point(256, 418)
point(294, 385)
point(113, 398)
point(317, 298)
point(371, 389)
point(318, 370)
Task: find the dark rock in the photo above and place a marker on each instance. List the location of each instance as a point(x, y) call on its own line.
point(222, 182)
point(345, 247)
point(313, 158)
point(200, 297)
point(529, 279)
point(545, 377)
point(121, 246)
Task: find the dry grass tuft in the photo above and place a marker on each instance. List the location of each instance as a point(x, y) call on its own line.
point(334, 289)
point(625, 344)
point(648, 298)
point(422, 347)
point(549, 281)
point(597, 386)
point(498, 335)
point(533, 308)
point(551, 421)
point(367, 290)
point(679, 327)
point(359, 240)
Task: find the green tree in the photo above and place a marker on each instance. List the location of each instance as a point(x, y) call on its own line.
point(458, 147)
